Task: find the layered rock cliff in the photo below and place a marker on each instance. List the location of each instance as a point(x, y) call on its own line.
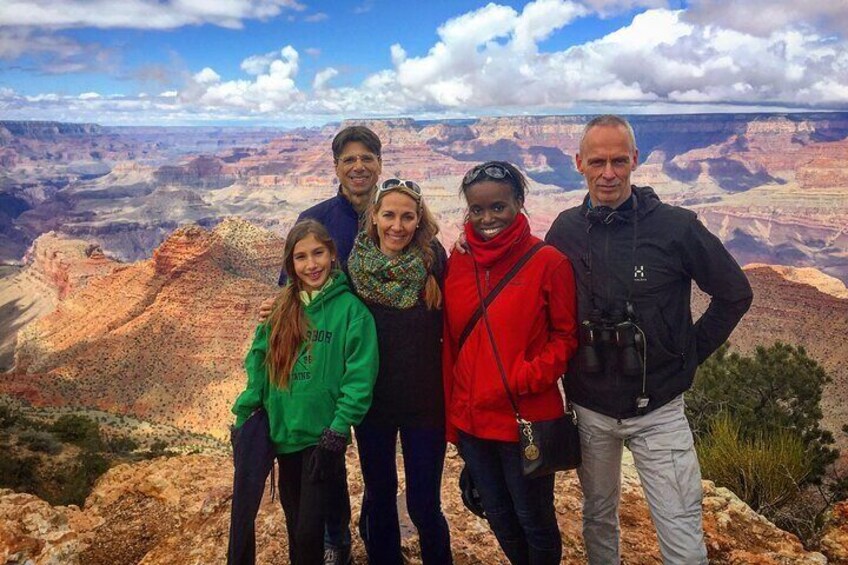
point(176, 510)
point(773, 185)
point(162, 339)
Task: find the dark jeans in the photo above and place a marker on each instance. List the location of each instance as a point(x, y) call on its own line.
point(520, 510)
point(423, 459)
point(337, 534)
point(309, 506)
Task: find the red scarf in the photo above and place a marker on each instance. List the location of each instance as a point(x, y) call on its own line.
point(488, 252)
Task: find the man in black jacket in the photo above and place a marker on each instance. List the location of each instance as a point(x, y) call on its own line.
point(634, 260)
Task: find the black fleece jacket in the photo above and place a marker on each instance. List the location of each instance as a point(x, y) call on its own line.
point(409, 389)
point(647, 253)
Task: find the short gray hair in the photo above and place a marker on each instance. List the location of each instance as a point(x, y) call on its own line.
point(609, 120)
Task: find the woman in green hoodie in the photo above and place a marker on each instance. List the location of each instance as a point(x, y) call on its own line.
point(312, 367)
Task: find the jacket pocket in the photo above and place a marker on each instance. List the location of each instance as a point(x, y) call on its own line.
point(306, 414)
point(662, 346)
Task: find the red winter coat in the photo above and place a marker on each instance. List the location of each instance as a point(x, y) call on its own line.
point(534, 323)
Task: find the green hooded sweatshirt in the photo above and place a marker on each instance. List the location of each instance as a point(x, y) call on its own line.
point(331, 382)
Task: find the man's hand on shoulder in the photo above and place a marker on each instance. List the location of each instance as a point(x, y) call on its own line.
point(265, 308)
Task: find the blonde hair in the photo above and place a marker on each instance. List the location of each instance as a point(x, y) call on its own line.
point(422, 241)
point(288, 324)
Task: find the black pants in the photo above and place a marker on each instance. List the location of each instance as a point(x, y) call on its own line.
point(423, 460)
point(253, 457)
point(308, 506)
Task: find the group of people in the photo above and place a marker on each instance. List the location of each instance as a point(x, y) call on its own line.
point(377, 331)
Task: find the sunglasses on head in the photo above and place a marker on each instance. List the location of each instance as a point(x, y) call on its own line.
point(493, 171)
point(395, 184)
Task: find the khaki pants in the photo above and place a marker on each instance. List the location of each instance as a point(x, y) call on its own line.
point(665, 458)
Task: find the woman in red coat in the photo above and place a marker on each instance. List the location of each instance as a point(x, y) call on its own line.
point(533, 321)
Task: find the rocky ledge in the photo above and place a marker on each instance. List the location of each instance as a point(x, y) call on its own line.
point(176, 510)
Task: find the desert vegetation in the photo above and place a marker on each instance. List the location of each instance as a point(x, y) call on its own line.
point(58, 455)
point(757, 424)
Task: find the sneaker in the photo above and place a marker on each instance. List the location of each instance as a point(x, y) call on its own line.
point(338, 556)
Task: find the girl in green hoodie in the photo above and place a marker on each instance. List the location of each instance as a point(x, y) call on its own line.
point(312, 367)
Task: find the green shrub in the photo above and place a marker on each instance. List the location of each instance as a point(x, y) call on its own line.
point(8, 417)
point(77, 480)
point(18, 473)
point(778, 388)
point(765, 471)
point(79, 430)
point(40, 441)
point(121, 444)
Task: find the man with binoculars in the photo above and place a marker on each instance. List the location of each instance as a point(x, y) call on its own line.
point(634, 260)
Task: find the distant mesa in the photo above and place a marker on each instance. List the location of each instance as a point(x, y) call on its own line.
point(768, 184)
point(807, 275)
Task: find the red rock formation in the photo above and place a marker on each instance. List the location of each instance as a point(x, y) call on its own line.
point(163, 339)
point(66, 265)
point(177, 511)
point(835, 539)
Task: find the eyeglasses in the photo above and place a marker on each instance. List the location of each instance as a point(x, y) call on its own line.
point(396, 184)
point(493, 171)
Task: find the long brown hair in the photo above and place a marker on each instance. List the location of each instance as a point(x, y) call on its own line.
point(288, 324)
point(422, 240)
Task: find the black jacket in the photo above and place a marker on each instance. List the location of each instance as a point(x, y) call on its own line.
point(647, 253)
point(409, 389)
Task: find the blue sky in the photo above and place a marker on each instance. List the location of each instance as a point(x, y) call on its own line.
point(295, 62)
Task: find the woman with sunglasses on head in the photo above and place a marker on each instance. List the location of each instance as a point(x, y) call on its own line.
point(397, 267)
point(523, 339)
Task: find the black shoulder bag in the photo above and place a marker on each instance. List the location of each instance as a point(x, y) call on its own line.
point(547, 446)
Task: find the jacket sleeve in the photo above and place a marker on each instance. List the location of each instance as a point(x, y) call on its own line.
point(716, 273)
point(257, 377)
point(449, 354)
point(539, 373)
point(360, 372)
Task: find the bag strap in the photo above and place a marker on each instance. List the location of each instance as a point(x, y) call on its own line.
point(494, 346)
point(495, 291)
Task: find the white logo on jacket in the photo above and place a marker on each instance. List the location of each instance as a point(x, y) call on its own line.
point(639, 273)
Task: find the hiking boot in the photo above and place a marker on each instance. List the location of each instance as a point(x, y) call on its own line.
point(337, 556)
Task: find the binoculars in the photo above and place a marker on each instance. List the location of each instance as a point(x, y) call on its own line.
point(618, 339)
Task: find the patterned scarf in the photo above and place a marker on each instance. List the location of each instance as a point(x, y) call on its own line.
point(390, 281)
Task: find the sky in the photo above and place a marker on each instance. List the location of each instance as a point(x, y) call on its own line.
point(299, 62)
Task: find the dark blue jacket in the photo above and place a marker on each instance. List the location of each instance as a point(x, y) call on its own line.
point(341, 220)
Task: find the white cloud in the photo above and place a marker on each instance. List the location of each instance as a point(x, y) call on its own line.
point(317, 17)
point(364, 8)
point(764, 17)
point(53, 53)
point(494, 60)
point(258, 64)
point(92, 96)
point(272, 90)
point(323, 77)
point(139, 14)
point(207, 76)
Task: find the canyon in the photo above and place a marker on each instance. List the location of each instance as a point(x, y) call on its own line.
point(134, 261)
point(772, 186)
